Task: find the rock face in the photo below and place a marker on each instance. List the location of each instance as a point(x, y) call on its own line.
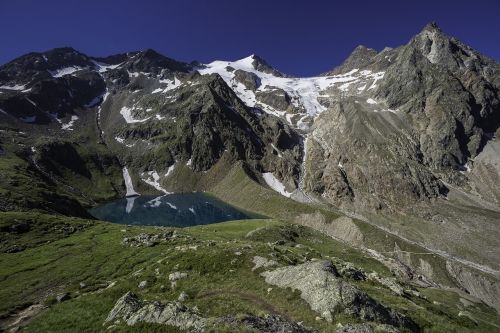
point(248, 79)
point(327, 294)
point(132, 310)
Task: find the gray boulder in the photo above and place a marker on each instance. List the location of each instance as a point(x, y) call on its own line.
point(327, 293)
point(133, 310)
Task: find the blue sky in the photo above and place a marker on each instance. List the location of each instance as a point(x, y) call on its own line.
point(296, 37)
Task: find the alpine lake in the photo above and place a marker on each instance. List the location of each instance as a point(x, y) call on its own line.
point(171, 210)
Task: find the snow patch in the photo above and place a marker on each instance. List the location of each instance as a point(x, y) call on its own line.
point(152, 178)
point(65, 71)
point(465, 168)
point(128, 184)
point(68, 126)
point(126, 112)
point(171, 84)
point(371, 101)
point(170, 170)
point(275, 184)
point(102, 67)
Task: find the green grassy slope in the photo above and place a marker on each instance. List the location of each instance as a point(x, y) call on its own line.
point(89, 263)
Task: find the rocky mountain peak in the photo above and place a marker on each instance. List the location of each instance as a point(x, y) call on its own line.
point(360, 57)
point(441, 49)
point(431, 26)
point(261, 65)
point(151, 61)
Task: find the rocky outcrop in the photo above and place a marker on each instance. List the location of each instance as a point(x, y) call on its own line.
point(275, 98)
point(248, 79)
point(261, 262)
point(133, 310)
point(327, 294)
point(148, 240)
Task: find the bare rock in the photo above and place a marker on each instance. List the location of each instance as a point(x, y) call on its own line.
point(326, 293)
point(133, 310)
point(262, 262)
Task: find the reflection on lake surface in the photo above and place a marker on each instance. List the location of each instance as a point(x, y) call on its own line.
point(176, 210)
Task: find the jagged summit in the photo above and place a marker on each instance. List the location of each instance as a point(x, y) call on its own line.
point(431, 26)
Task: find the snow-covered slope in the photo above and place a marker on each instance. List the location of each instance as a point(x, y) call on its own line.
point(305, 94)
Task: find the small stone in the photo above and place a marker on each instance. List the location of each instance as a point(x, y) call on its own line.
point(82, 285)
point(177, 276)
point(143, 284)
point(237, 253)
point(269, 290)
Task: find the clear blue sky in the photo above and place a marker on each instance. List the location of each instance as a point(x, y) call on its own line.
point(296, 37)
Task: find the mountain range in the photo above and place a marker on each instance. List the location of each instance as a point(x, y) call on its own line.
point(399, 145)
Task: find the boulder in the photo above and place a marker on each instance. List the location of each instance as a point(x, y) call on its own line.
point(327, 293)
point(133, 310)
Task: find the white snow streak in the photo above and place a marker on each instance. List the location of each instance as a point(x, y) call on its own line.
point(128, 184)
point(15, 87)
point(170, 170)
point(65, 71)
